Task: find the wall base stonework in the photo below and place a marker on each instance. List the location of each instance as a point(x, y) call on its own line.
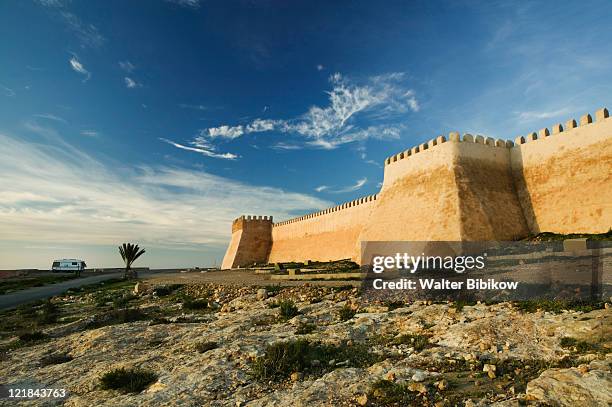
point(466, 188)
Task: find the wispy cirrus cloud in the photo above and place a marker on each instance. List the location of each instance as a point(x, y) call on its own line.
point(78, 67)
point(543, 114)
point(50, 116)
point(87, 33)
point(351, 188)
point(89, 133)
point(49, 185)
point(194, 107)
point(127, 66)
point(380, 101)
point(193, 4)
point(7, 91)
point(201, 147)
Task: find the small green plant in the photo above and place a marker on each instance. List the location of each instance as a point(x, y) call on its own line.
point(388, 393)
point(577, 345)
point(165, 290)
point(203, 347)
point(393, 305)
point(55, 359)
point(288, 309)
point(127, 380)
point(345, 313)
point(190, 303)
point(48, 313)
point(281, 359)
point(123, 300)
point(273, 289)
point(418, 342)
point(116, 317)
point(305, 328)
point(558, 306)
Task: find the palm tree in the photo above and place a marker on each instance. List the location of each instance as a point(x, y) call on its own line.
point(129, 253)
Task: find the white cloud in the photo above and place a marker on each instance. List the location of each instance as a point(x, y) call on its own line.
point(50, 116)
point(537, 115)
point(77, 66)
point(380, 100)
point(320, 67)
point(89, 133)
point(127, 66)
point(202, 148)
point(351, 188)
point(228, 132)
point(7, 91)
point(195, 107)
point(55, 194)
point(88, 34)
point(286, 146)
point(131, 83)
point(259, 125)
point(186, 3)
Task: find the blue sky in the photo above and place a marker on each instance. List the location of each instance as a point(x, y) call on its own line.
point(160, 121)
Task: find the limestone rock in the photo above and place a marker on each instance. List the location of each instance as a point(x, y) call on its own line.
point(262, 294)
point(570, 387)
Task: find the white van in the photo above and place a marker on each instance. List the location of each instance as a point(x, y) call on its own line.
point(68, 265)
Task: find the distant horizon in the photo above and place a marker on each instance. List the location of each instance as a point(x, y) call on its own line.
point(160, 125)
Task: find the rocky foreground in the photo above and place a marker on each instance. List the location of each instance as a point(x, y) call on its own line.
point(211, 346)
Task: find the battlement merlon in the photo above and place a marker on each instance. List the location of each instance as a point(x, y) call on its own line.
point(240, 222)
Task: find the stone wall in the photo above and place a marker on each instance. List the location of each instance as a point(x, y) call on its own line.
point(250, 243)
point(564, 176)
point(327, 235)
point(459, 188)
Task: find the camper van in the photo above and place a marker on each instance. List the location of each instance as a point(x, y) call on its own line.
point(75, 265)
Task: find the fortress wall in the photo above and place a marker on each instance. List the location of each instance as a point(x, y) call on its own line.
point(460, 188)
point(331, 234)
point(564, 177)
point(250, 243)
point(418, 199)
point(488, 203)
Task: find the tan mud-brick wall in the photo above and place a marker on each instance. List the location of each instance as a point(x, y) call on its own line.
point(250, 243)
point(564, 179)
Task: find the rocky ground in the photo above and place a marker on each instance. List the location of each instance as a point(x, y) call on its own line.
point(223, 345)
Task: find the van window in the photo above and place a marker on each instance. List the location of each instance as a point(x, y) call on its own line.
point(74, 263)
point(56, 264)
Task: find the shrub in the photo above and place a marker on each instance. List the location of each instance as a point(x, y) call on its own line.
point(166, 290)
point(288, 309)
point(116, 317)
point(195, 303)
point(557, 306)
point(123, 300)
point(346, 313)
point(392, 305)
point(577, 345)
point(304, 329)
point(388, 393)
point(418, 342)
point(127, 380)
point(281, 359)
point(34, 336)
point(48, 313)
point(204, 347)
point(55, 359)
point(273, 289)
